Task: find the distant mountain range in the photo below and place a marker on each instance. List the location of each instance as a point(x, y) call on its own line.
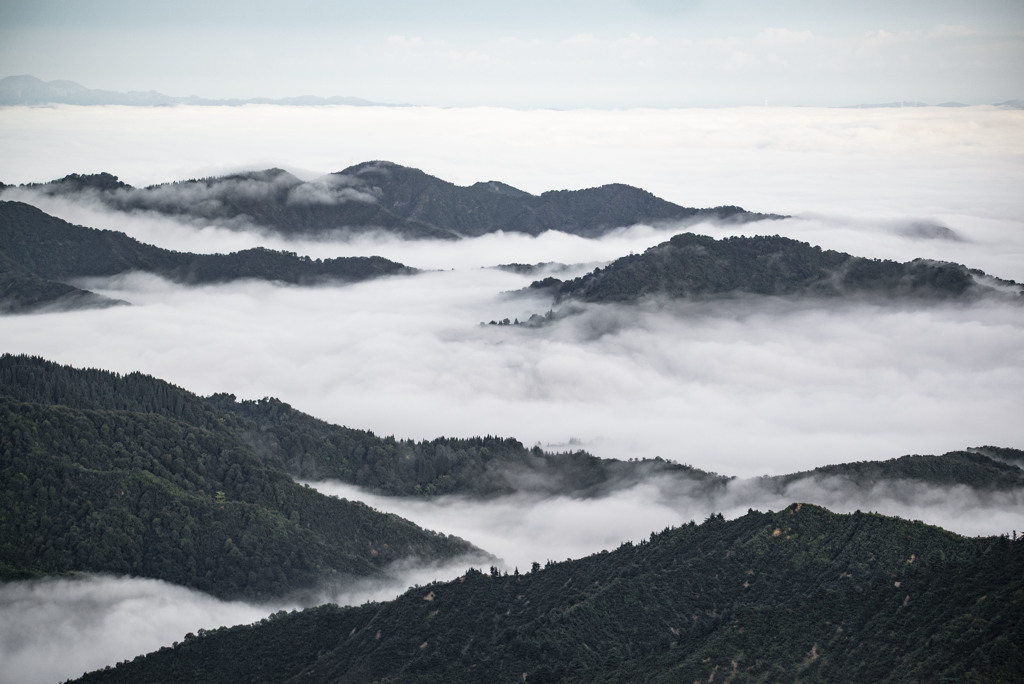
point(40, 254)
point(698, 266)
point(383, 196)
point(1007, 104)
point(29, 90)
point(26, 90)
point(801, 594)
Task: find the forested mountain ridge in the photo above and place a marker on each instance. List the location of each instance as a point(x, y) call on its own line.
point(488, 466)
point(309, 448)
point(479, 467)
point(693, 266)
point(39, 252)
point(983, 468)
point(127, 475)
point(800, 594)
point(381, 195)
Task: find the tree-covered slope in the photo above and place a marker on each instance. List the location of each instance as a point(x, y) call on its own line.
point(129, 475)
point(312, 449)
point(385, 196)
point(480, 467)
point(692, 265)
point(798, 595)
point(39, 252)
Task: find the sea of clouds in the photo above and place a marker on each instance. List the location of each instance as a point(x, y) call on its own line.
point(745, 388)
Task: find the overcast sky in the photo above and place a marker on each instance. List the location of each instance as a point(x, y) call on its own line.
point(555, 53)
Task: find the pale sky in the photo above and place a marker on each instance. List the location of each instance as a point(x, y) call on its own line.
point(555, 53)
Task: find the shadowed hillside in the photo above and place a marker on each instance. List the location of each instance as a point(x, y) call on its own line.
point(695, 266)
point(130, 475)
point(383, 196)
point(39, 253)
point(798, 595)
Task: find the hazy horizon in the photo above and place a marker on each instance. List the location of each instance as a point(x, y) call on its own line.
point(566, 54)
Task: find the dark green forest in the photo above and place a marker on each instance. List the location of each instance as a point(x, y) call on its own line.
point(695, 266)
point(129, 475)
point(105, 472)
point(381, 195)
point(311, 449)
point(797, 595)
point(39, 253)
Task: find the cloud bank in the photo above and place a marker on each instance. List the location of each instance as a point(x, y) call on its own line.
point(522, 529)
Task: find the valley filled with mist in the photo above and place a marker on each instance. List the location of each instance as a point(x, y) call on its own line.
point(747, 387)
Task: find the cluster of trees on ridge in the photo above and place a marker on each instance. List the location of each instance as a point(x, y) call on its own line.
point(800, 594)
point(693, 266)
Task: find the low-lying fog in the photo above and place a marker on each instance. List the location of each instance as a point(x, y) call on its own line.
point(522, 529)
point(55, 629)
point(744, 388)
point(747, 387)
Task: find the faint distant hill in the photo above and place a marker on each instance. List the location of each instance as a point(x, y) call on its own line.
point(1011, 104)
point(29, 90)
point(383, 196)
point(698, 266)
point(40, 254)
point(899, 104)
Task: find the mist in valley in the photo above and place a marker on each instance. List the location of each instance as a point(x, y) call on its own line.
point(744, 387)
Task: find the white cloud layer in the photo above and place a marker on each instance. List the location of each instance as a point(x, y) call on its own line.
point(523, 529)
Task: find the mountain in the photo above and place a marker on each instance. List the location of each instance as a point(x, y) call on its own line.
point(698, 266)
point(131, 475)
point(29, 90)
point(40, 253)
point(380, 195)
point(484, 467)
point(796, 595)
point(488, 207)
point(984, 468)
point(479, 467)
